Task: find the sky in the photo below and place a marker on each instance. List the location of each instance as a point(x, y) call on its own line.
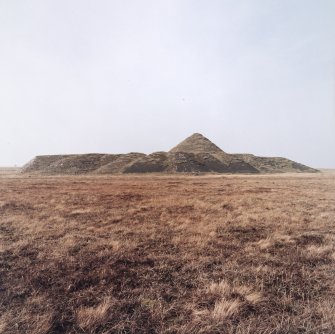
point(118, 76)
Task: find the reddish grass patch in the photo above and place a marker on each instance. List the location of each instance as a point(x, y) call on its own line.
point(167, 254)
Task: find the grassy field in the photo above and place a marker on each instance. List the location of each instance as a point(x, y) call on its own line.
point(167, 254)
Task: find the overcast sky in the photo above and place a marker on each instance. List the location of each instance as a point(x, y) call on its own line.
point(116, 76)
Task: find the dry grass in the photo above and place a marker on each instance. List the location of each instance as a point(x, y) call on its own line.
point(91, 318)
point(167, 254)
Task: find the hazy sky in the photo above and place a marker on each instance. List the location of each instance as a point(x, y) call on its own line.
point(116, 76)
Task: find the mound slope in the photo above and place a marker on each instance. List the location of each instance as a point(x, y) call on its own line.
point(195, 154)
point(196, 143)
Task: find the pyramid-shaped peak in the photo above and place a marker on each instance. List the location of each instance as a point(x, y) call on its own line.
point(196, 143)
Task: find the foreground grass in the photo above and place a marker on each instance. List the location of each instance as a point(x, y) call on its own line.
point(228, 254)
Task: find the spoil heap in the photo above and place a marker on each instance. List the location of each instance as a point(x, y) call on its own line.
point(196, 154)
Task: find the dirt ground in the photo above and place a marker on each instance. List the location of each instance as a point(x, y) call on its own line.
point(167, 254)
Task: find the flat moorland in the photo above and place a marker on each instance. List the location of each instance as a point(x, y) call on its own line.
point(167, 254)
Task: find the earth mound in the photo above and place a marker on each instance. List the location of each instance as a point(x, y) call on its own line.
point(119, 163)
point(195, 154)
point(196, 143)
point(275, 164)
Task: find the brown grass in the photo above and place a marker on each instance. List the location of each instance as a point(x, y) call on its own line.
point(167, 254)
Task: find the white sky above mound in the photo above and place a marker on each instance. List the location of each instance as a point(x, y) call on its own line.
point(119, 76)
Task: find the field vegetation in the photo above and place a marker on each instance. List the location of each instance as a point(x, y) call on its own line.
point(167, 254)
